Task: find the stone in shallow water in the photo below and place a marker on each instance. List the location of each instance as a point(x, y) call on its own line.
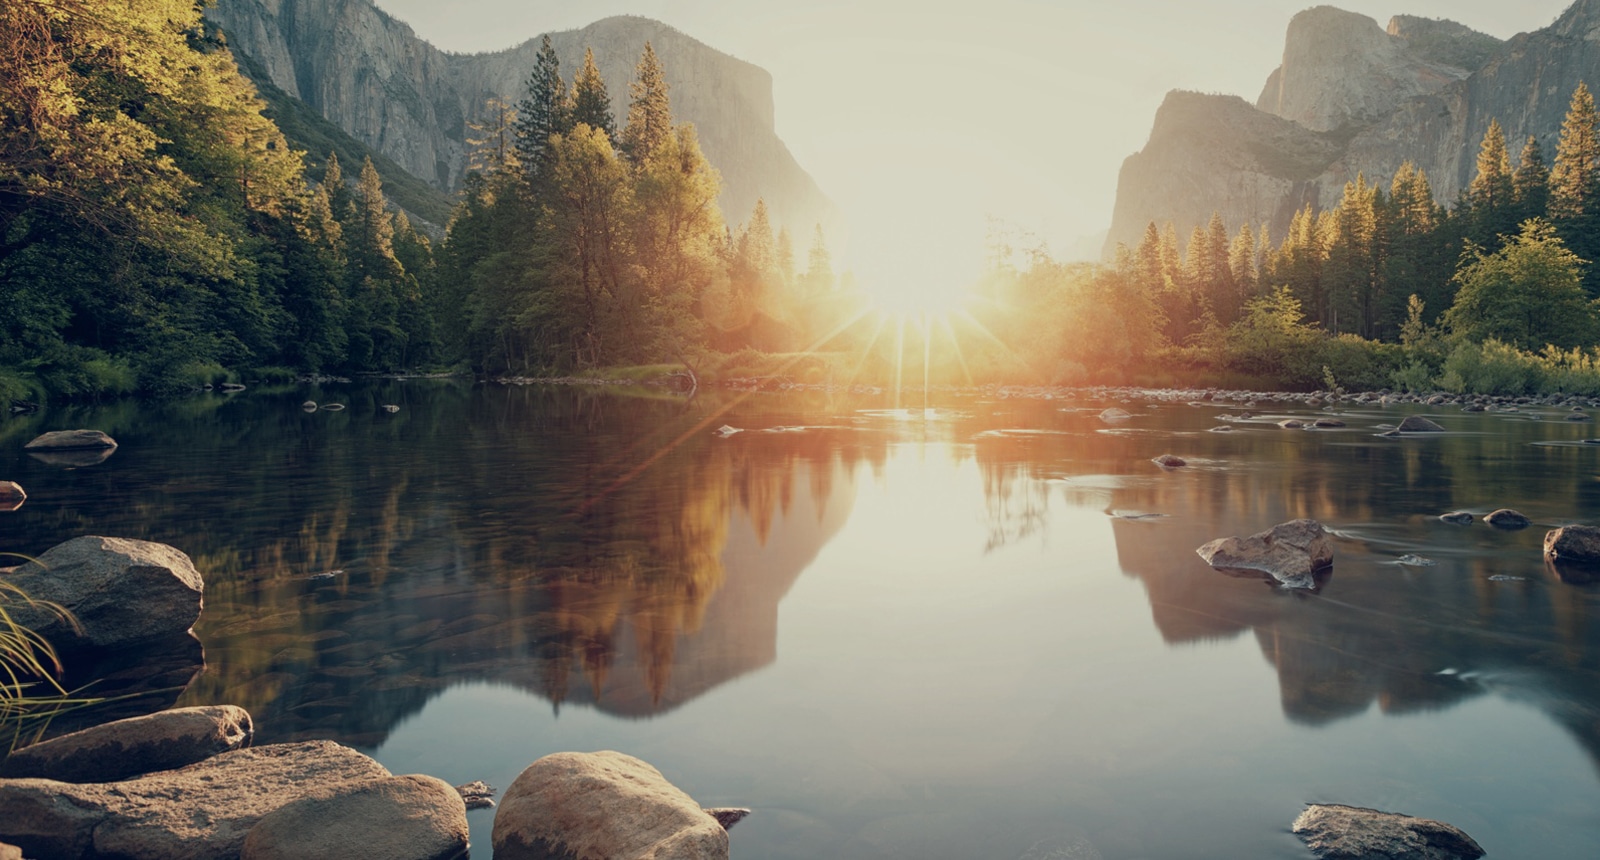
point(134, 746)
point(1289, 552)
point(121, 592)
point(1170, 461)
point(1505, 518)
point(1458, 518)
point(71, 440)
point(395, 818)
point(1573, 544)
point(1338, 832)
point(1115, 414)
point(1418, 424)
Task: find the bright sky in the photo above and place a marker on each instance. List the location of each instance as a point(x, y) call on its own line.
point(923, 119)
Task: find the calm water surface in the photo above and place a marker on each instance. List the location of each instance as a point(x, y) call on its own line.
point(975, 632)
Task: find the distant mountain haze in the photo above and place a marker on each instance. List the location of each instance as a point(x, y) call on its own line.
point(372, 76)
point(1353, 98)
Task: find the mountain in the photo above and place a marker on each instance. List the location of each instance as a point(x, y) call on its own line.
point(1352, 98)
point(372, 76)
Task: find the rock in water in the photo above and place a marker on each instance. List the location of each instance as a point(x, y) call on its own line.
point(11, 496)
point(1327, 423)
point(1573, 544)
point(397, 818)
point(1115, 414)
point(1459, 518)
point(122, 592)
point(309, 406)
point(1505, 518)
point(1289, 552)
point(134, 747)
point(1168, 461)
point(390, 408)
point(477, 794)
point(1292, 424)
point(201, 812)
point(1336, 832)
point(1418, 424)
point(71, 440)
point(727, 816)
point(602, 804)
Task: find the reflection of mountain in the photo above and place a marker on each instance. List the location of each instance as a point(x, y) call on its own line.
point(1404, 639)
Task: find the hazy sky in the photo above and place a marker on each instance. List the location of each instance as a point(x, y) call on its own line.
point(921, 119)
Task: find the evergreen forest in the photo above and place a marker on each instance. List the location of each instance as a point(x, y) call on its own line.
point(159, 233)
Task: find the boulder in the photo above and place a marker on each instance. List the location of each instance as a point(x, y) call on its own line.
point(1573, 545)
point(476, 794)
point(1418, 424)
point(603, 804)
point(1505, 518)
point(201, 812)
point(71, 440)
point(1458, 518)
point(121, 592)
point(1336, 832)
point(1115, 414)
point(135, 746)
point(1289, 552)
point(1292, 424)
point(1169, 461)
point(1327, 423)
point(397, 818)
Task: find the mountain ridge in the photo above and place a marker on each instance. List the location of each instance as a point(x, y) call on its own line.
point(1524, 82)
point(370, 74)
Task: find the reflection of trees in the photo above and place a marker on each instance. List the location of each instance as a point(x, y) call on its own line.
point(366, 560)
point(1377, 634)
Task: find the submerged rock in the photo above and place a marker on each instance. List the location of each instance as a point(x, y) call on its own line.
point(134, 747)
point(1573, 545)
point(1289, 552)
point(332, 407)
point(602, 804)
point(1326, 423)
point(396, 818)
point(1458, 518)
point(71, 440)
point(201, 812)
point(1169, 461)
point(1115, 414)
point(1337, 832)
point(477, 794)
point(727, 816)
point(1291, 424)
point(1418, 424)
point(1505, 518)
point(390, 408)
point(121, 592)
point(309, 406)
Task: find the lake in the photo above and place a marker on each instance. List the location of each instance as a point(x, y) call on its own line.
point(976, 630)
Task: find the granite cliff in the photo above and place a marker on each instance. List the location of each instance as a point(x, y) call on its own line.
point(1357, 99)
point(372, 76)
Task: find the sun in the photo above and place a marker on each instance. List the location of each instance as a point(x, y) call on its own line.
point(915, 291)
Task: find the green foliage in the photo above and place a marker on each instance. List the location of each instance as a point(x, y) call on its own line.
point(1527, 295)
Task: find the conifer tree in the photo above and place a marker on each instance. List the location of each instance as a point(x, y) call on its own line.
point(649, 110)
point(818, 279)
point(591, 105)
point(1220, 289)
point(1531, 182)
point(338, 193)
point(1572, 179)
point(1491, 195)
point(1242, 263)
point(783, 258)
point(545, 110)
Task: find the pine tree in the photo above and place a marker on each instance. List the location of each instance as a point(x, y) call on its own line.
point(492, 142)
point(545, 110)
point(783, 258)
point(1572, 179)
point(1220, 290)
point(1531, 182)
point(338, 192)
point(649, 110)
point(1492, 195)
point(591, 105)
point(1242, 263)
point(818, 279)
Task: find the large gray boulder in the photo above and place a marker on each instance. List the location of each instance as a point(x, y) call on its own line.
point(1573, 545)
point(1336, 832)
point(604, 804)
point(134, 747)
point(201, 812)
point(121, 592)
point(400, 818)
point(71, 440)
point(1289, 552)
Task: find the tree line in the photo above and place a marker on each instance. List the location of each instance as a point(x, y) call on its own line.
point(157, 232)
point(1384, 288)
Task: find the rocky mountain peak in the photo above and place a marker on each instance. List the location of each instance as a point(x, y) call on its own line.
point(1446, 42)
point(1341, 68)
point(1580, 21)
